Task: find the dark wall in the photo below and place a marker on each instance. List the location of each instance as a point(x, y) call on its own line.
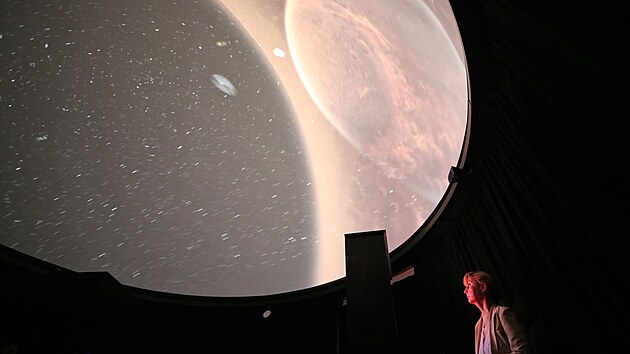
point(48, 310)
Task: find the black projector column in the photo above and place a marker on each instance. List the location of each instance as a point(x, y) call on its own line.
point(371, 321)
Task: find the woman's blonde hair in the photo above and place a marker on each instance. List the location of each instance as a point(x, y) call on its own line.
point(479, 277)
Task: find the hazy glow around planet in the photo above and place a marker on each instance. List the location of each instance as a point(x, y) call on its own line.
point(224, 148)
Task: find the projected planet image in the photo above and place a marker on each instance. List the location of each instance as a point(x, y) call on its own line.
point(224, 148)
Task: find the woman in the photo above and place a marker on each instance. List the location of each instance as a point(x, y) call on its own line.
point(498, 331)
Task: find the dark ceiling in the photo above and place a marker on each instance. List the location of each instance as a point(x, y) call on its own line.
point(542, 210)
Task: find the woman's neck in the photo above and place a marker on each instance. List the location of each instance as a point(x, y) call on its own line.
point(485, 306)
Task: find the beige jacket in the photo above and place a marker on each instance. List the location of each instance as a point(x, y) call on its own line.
point(507, 334)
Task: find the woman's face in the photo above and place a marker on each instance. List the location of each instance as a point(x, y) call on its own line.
point(474, 291)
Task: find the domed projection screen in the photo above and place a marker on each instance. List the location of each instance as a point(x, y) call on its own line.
point(224, 148)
